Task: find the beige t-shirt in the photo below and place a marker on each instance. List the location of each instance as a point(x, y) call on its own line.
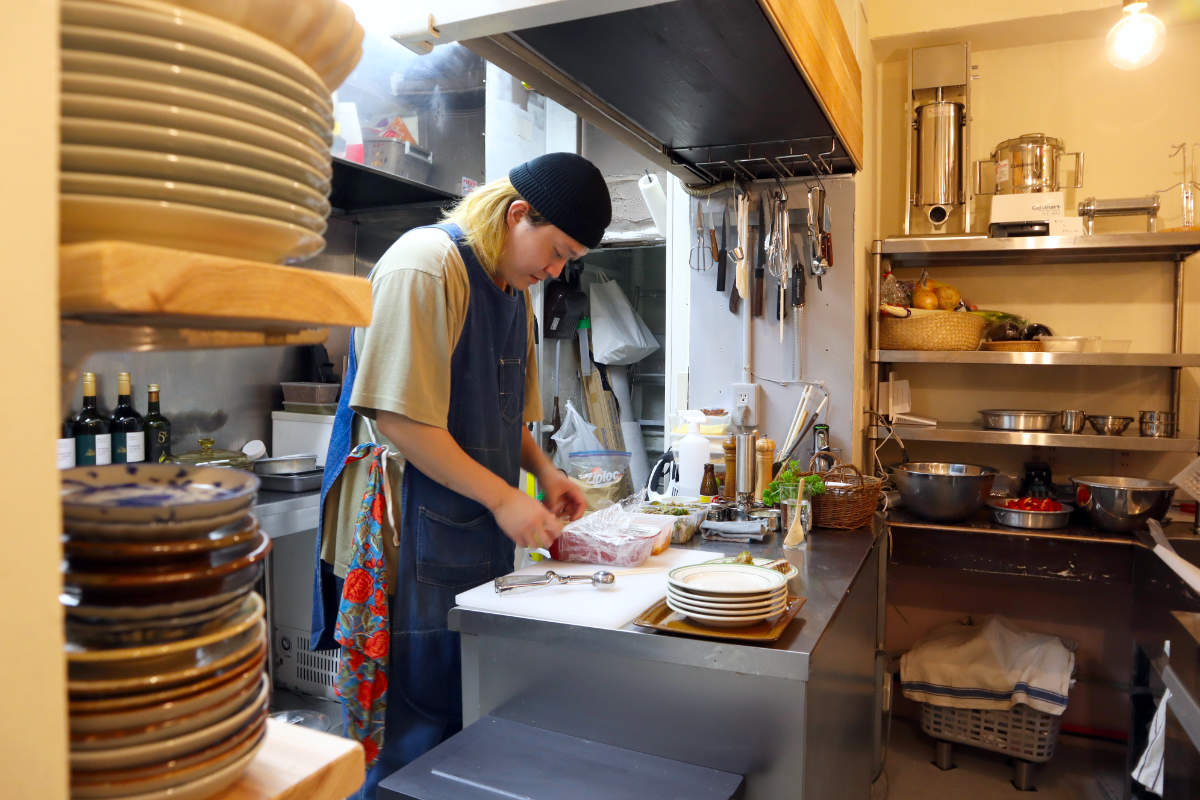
point(419, 292)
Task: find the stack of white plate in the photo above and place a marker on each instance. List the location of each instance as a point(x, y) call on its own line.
point(182, 130)
point(726, 595)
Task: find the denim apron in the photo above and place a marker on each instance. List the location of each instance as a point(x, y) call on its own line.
point(448, 542)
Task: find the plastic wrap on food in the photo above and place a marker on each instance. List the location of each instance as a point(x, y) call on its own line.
point(610, 536)
point(686, 517)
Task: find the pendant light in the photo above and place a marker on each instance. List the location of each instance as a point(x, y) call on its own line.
point(1137, 39)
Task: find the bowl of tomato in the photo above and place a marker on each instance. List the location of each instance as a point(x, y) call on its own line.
point(1037, 513)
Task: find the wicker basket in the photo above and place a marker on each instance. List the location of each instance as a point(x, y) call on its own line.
point(845, 507)
point(1012, 347)
point(1021, 731)
point(938, 330)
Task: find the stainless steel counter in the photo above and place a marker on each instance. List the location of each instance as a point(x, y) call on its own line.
point(798, 718)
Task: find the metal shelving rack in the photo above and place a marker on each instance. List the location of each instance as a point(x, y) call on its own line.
point(968, 251)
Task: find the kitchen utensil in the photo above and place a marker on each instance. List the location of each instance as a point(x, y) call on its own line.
point(550, 577)
point(741, 253)
point(1158, 424)
point(1001, 419)
point(1028, 163)
point(1162, 547)
point(722, 251)
point(1109, 425)
point(1121, 504)
point(818, 265)
point(941, 491)
point(756, 298)
point(1072, 420)
point(700, 258)
point(1034, 520)
point(1092, 207)
point(286, 465)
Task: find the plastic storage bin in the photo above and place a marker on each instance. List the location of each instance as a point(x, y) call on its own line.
point(310, 392)
point(1024, 733)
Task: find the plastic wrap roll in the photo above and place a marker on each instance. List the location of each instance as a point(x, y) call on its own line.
point(656, 200)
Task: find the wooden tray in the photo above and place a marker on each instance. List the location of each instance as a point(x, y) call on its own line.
point(661, 618)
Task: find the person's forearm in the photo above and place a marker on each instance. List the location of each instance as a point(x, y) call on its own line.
point(435, 452)
point(533, 460)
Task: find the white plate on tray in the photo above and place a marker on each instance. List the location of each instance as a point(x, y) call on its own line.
point(726, 579)
point(758, 562)
point(708, 601)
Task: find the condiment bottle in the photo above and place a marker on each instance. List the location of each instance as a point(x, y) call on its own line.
point(730, 492)
point(765, 448)
point(708, 484)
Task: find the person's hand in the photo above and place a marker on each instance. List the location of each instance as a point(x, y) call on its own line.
point(526, 521)
point(563, 496)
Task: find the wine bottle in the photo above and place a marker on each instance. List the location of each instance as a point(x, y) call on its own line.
point(158, 428)
point(66, 445)
point(128, 436)
point(93, 442)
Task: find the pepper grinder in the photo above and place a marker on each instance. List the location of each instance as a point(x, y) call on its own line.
point(766, 457)
point(729, 490)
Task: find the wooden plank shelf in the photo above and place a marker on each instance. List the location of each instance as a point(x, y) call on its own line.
point(297, 763)
point(136, 284)
point(1036, 359)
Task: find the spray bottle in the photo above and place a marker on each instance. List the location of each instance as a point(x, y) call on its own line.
point(692, 452)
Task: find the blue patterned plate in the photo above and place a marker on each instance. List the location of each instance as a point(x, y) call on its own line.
point(153, 493)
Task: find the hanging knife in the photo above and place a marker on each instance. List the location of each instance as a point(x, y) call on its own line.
point(760, 263)
point(722, 253)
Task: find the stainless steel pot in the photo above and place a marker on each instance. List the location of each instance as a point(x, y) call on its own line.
point(1158, 424)
point(1007, 419)
point(1028, 163)
point(1115, 503)
point(1035, 520)
point(941, 491)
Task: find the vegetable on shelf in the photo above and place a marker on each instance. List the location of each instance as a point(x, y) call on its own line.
point(1034, 504)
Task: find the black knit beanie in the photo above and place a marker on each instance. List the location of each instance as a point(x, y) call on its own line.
point(568, 191)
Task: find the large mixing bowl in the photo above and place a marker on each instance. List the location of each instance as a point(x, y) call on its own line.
point(943, 492)
point(1122, 504)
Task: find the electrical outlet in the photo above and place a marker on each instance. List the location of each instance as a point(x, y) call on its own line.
point(745, 394)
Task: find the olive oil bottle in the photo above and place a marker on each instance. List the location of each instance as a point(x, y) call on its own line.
point(158, 428)
point(93, 442)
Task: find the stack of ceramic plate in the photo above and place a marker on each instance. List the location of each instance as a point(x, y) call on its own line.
point(727, 595)
point(182, 130)
point(166, 643)
point(323, 33)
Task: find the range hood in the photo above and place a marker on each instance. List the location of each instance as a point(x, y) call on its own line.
point(707, 89)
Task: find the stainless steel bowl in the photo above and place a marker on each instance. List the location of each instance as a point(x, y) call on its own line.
point(1036, 520)
point(1072, 421)
point(1120, 504)
point(1158, 424)
point(1007, 419)
point(1108, 425)
point(941, 491)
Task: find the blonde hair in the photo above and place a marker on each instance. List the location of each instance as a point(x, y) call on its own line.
point(482, 215)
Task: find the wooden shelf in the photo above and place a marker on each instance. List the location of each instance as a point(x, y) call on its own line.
point(1036, 359)
point(973, 434)
point(298, 763)
point(948, 251)
point(136, 284)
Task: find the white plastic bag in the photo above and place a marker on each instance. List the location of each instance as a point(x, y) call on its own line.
point(575, 435)
point(619, 336)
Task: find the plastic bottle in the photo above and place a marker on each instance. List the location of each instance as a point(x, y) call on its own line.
point(693, 455)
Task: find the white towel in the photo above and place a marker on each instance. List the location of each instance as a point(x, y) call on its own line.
point(1149, 769)
point(994, 665)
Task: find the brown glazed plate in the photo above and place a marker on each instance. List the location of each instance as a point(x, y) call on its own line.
point(111, 613)
point(187, 581)
point(96, 634)
point(163, 565)
point(157, 531)
point(176, 771)
point(149, 493)
point(224, 538)
point(253, 661)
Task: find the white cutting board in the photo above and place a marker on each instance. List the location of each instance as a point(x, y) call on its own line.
point(582, 603)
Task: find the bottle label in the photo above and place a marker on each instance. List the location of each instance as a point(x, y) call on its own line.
point(135, 447)
point(93, 450)
point(118, 447)
point(158, 444)
point(66, 453)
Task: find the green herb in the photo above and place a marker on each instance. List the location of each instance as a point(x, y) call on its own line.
point(791, 474)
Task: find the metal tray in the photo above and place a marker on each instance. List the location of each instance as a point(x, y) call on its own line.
point(294, 482)
point(1006, 419)
point(1033, 520)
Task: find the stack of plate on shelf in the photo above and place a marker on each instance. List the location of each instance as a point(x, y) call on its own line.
point(182, 130)
point(166, 642)
point(727, 595)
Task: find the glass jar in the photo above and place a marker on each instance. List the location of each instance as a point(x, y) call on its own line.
point(796, 505)
point(209, 456)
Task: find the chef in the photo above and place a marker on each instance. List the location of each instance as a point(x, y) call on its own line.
point(419, 500)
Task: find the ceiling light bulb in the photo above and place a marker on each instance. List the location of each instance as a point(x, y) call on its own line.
point(1137, 39)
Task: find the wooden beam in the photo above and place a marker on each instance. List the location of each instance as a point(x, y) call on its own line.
point(814, 36)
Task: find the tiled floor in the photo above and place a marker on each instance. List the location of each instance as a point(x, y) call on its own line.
point(1081, 769)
